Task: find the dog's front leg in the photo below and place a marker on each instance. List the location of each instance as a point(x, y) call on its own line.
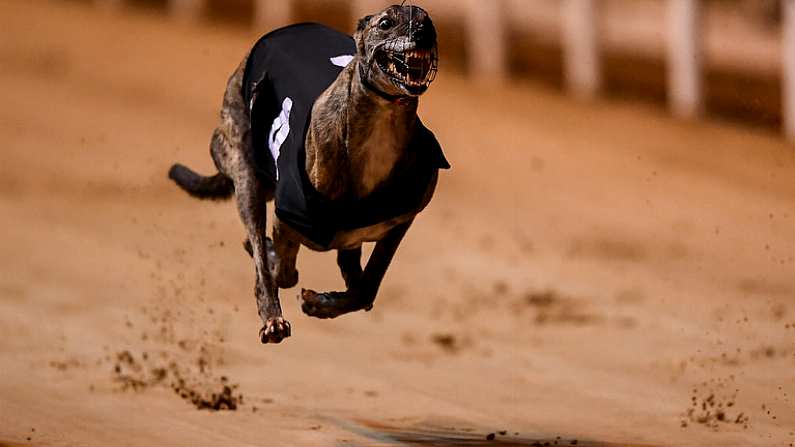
point(361, 292)
point(350, 264)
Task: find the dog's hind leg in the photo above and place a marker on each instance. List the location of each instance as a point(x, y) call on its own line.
point(233, 157)
point(252, 196)
point(251, 201)
point(360, 294)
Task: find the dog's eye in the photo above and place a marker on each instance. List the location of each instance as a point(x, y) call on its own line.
point(385, 23)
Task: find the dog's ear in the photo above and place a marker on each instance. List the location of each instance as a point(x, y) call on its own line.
point(357, 36)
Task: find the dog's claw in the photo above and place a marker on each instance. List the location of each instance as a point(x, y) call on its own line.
point(274, 331)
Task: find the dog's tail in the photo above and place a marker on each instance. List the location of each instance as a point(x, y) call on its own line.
point(215, 187)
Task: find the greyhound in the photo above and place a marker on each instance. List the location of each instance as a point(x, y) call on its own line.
point(326, 127)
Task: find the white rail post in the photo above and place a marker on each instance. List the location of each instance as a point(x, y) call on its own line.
point(486, 40)
point(685, 58)
point(581, 60)
point(271, 14)
point(788, 68)
point(187, 10)
point(109, 5)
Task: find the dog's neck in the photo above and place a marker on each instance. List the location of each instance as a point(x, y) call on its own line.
point(356, 136)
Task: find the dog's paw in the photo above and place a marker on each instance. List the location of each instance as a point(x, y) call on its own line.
point(274, 331)
point(330, 304)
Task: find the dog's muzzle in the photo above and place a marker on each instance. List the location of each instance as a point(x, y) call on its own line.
point(408, 65)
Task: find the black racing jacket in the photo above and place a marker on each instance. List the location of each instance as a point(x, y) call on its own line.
point(286, 72)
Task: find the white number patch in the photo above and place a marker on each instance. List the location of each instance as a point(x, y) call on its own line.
point(279, 132)
point(342, 61)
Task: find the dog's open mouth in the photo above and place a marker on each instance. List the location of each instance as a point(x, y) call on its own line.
point(413, 70)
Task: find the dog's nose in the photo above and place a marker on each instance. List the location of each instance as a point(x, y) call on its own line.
point(424, 34)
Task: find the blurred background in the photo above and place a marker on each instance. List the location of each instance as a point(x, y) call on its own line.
point(714, 58)
point(609, 262)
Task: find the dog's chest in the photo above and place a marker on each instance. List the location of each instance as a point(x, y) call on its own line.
point(379, 152)
point(346, 240)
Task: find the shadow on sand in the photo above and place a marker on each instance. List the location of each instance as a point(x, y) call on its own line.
point(427, 435)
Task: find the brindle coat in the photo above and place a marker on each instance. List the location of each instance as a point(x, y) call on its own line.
point(354, 140)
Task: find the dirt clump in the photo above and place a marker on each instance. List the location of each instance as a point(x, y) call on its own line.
point(197, 386)
point(131, 375)
point(203, 397)
point(551, 307)
point(450, 343)
point(713, 407)
point(174, 356)
point(65, 365)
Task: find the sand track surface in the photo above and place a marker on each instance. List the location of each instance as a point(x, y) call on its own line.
point(592, 275)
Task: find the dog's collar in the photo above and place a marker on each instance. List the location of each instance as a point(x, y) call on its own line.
point(397, 99)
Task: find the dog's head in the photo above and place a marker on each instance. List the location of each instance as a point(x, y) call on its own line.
point(398, 51)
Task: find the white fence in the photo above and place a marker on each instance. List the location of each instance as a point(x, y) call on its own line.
point(578, 34)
